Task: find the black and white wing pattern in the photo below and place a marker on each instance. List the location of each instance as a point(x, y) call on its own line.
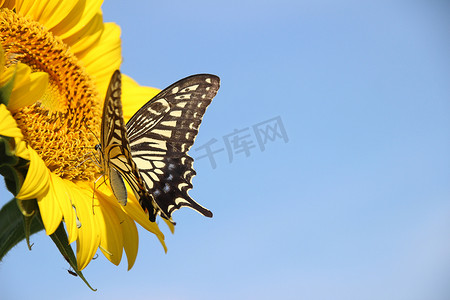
point(114, 148)
point(160, 135)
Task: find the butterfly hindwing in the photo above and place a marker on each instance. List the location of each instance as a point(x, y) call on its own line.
point(160, 135)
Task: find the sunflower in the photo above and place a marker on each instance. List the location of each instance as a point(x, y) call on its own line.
point(58, 57)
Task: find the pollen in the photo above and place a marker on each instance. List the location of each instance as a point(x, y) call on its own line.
point(61, 126)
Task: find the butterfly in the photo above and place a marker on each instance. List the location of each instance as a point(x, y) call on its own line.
point(150, 151)
point(114, 150)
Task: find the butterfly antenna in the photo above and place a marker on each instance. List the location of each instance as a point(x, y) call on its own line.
point(91, 157)
point(96, 137)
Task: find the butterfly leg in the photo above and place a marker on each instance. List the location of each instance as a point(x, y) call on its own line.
point(92, 157)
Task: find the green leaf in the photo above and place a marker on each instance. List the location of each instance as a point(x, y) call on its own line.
point(5, 91)
point(12, 168)
point(61, 241)
point(7, 145)
point(15, 227)
point(12, 179)
point(12, 227)
point(29, 208)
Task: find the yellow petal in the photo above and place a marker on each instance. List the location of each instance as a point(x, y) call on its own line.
point(65, 201)
point(48, 206)
point(28, 92)
point(47, 12)
point(134, 210)
point(111, 243)
point(22, 72)
point(170, 225)
point(88, 234)
point(22, 149)
point(130, 239)
point(135, 96)
point(84, 39)
point(105, 58)
point(28, 87)
point(51, 12)
point(8, 126)
point(37, 182)
point(24, 7)
point(129, 230)
point(81, 14)
point(9, 4)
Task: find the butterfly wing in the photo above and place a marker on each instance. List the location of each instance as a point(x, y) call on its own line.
point(113, 130)
point(160, 135)
point(117, 162)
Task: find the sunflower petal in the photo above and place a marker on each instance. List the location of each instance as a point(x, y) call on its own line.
point(51, 12)
point(111, 243)
point(50, 212)
point(135, 96)
point(22, 72)
point(24, 7)
point(65, 201)
point(36, 183)
point(9, 4)
point(88, 36)
point(8, 126)
point(130, 239)
point(170, 225)
point(78, 18)
point(21, 149)
point(105, 58)
point(129, 230)
point(88, 233)
point(134, 210)
point(27, 92)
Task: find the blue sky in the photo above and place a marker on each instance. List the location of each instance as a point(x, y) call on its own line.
point(355, 205)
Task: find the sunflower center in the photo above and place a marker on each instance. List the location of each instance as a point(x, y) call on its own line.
point(59, 126)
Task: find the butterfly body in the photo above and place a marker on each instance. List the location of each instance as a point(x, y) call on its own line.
point(150, 152)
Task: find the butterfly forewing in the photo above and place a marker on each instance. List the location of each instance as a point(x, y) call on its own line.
point(115, 151)
point(160, 135)
point(113, 130)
